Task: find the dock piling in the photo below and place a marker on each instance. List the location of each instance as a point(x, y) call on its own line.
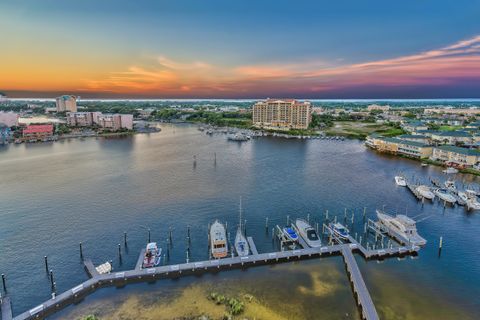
point(308, 218)
point(440, 244)
point(81, 251)
point(170, 235)
point(46, 263)
point(120, 252)
point(188, 234)
point(148, 235)
point(266, 224)
point(125, 238)
point(364, 213)
point(51, 279)
point(288, 220)
point(4, 283)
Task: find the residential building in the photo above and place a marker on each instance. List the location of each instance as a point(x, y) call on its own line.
point(9, 119)
point(399, 146)
point(469, 111)
point(414, 126)
point(114, 122)
point(3, 98)
point(415, 137)
point(282, 114)
point(452, 137)
point(82, 119)
point(375, 107)
point(66, 103)
point(456, 155)
point(38, 132)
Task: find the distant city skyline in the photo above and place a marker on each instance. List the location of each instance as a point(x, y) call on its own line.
point(218, 49)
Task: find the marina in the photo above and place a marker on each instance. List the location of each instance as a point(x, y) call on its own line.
point(149, 274)
point(246, 171)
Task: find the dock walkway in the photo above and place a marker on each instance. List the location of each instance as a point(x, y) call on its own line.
point(359, 288)
point(122, 278)
point(6, 307)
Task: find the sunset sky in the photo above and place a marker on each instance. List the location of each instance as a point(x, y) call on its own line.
point(240, 49)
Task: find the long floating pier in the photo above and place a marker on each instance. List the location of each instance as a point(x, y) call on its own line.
point(363, 296)
point(122, 278)
point(6, 307)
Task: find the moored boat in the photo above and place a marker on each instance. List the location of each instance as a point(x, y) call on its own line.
point(218, 240)
point(400, 181)
point(425, 192)
point(450, 170)
point(401, 227)
point(339, 230)
point(290, 234)
point(444, 196)
point(241, 244)
point(308, 233)
point(152, 256)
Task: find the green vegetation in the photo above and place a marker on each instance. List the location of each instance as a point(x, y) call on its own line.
point(235, 306)
point(360, 130)
point(471, 171)
point(90, 317)
point(449, 128)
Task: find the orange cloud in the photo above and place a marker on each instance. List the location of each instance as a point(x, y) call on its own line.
point(442, 66)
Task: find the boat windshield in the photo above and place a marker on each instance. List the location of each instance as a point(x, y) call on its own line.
point(219, 246)
point(312, 235)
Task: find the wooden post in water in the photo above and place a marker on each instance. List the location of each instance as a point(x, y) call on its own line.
point(148, 235)
point(245, 227)
point(46, 264)
point(308, 218)
point(364, 213)
point(440, 244)
point(120, 252)
point(81, 251)
point(266, 224)
point(188, 235)
point(326, 215)
point(51, 279)
point(288, 220)
point(4, 283)
point(125, 238)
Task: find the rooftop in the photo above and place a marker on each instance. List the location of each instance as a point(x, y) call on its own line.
point(460, 150)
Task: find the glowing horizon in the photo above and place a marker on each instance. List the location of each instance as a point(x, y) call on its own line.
point(49, 54)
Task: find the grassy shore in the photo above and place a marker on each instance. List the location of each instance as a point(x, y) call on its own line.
point(360, 130)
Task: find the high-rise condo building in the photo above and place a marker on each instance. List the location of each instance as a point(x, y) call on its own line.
point(282, 114)
point(66, 103)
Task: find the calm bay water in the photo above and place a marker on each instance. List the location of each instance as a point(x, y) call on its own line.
point(52, 196)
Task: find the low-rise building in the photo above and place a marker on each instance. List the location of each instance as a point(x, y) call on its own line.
point(415, 137)
point(375, 107)
point(414, 126)
point(469, 111)
point(452, 137)
point(399, 146)
point(82, 119)
point(114, 122)
point(456, 155)
point(38, 132)
point(9, 119)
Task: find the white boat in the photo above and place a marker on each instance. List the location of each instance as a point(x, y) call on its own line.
point(401, 227)
point(241, 244)
point(472, 201)
point(152, 256)
point(104, 268)
point(339, 230)
point(424, 164)
point(290, 234)
point(450, 185)
point(238, 137)
point(462, 195)
point(218, 240)
point(308, 233)
point(450, 170)
point(444, 196)
point(400, 181)
point(425, 192)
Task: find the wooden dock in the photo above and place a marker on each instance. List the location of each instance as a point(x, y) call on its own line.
point(358, 284)
point(139, 274)
point(6, 307)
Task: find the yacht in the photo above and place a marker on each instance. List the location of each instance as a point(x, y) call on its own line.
point(463, 195)
point(425, 192)
point(401, 227)
point(339, 230)
point(241, 244)
point(444, 196)
point(308, 233)
point(450, 170)
point(472, 202)
point(400, 181)
point(218, 240)
point(152, 256)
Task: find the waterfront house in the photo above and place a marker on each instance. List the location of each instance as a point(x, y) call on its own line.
point(9, 119)
point(457, 156)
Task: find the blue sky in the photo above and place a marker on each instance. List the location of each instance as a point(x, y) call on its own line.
point(92, 42)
